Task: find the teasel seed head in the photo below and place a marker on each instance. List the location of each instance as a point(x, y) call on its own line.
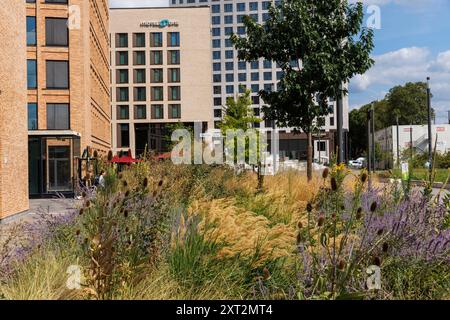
point(333, 184)
point(87, 204)
point(125, 213)
point(145, 182)
point(127, 230)
point(83, 194)
point(125, 183)
point(81, 211)
point(373, 206)
point(127, 193)
point(300, 225)
point(325, 173)
point(380, 231)
point(364, 177)
point(95, 154)
point(333, 215)
point(341, 265)
point(321, 220)
point(309, 207)
point(160, 183)
point(377, 261)
point(78, 232)
point(120, 176)
point(385, 247)
point(155, 194)
point(110, 156)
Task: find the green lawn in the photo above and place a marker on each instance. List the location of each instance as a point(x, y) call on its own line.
point(418, 174)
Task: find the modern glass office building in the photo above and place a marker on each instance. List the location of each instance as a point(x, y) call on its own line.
point(230, 74)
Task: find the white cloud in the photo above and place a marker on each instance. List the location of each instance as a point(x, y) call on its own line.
point(137, 3)
point(409, 65)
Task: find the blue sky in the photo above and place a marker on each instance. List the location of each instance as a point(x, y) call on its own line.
point(412, 43)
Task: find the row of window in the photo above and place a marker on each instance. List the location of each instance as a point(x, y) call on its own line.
point(228, 31)
point(49, 1)
point(242, 65)
point(57, 74)
point(156, 39)
point(56, 32)
point(254, 76)
point(228, 7)
point(140, 112)
point(156, 94)
point(156, 76)
point(156, 57)
point(58, 116)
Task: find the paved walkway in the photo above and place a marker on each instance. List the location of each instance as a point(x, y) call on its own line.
point(41, 206)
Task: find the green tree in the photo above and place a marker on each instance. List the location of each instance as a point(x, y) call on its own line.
point(238, 115)
point(319, 45)
point(408, 101)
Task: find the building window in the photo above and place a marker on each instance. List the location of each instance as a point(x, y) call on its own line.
point(31, 74)
point(217, 90)
point(58, 116)
point(215, 8)
point(215, 20)
point(140, 94)
point(229, 77)
point(157, 94)
point(140, 112)
point(228, 7)
point(267, 64)
point(228, 31)
point(123, 135)
point(217, 66)
point(174, 111)
point(174, 56)
point(57, 74)
point(31, 31)
point(229, 89)
point(240, 6)
point(242, 65)
point(139, 75)
point(174, 74)
point(123, 113)
point(229, 66)
point(156, 58)
point(56, 32)
point(32, 116)
point(173, 39)
point(331, 121)
point(242, 77)
point(255, 100)
point(216, 32)
point(255, 88)
point(174, 93)
point(156, 75)
point(217, 78)
point(229, 54)
point(139, 58)
point(228, 19)
point(122, 58)
point(121, 40)
point(265, 5)
point(122, 94)
point(217, 113)
point(267, 76)
point(157, 111)
point(253, 6)
point(139, 40)
point(217, 55)
point(321, 146)
point(122, 76)
point(241, 30)
point(156, 39)
point(217, 101)
point(216, 43)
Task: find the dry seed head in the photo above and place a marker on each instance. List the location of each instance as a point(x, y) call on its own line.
point(325, 173)
point(309, 207)
point(333, 184)
point(364, 177)
point(300, 225)
point(373, 206)
point(385, 247)
point(266, 274)
point(341, 265)
point(380, 232)
point(81, 211)
point(321, 220)
point(145, 182)
point(299, 238)
point(110, 156)
point(377, 261)
point(125, 183)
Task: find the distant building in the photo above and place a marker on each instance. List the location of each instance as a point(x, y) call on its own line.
point(232, 76)
point(416, 135)
point(160, 75)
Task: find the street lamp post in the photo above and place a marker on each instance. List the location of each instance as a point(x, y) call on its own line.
point(340, 124)
point(398, 145)
point(373, 136)
point(369, 156)
point(430, 138)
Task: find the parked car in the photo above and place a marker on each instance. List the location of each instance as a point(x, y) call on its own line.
point(358, 163)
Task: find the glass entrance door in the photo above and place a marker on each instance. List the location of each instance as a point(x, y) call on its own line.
point(59, 168)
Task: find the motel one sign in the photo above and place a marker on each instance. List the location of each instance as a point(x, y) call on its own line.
point(161, 24)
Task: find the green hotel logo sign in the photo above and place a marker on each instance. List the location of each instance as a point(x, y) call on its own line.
point(161, 24)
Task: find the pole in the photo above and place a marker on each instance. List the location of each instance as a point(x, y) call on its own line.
point(369, 156)
point(373, 137)
point(398, 145)
point(340, 124)
point(430, 138)
point(411, 141)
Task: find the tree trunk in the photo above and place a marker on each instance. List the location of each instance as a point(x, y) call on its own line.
point(260, 179)
point(309, 158)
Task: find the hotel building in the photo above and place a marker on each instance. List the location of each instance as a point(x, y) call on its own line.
point(68, 90)
point(230, 74)
point(160, 74)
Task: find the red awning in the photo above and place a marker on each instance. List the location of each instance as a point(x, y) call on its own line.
point(124, 159)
